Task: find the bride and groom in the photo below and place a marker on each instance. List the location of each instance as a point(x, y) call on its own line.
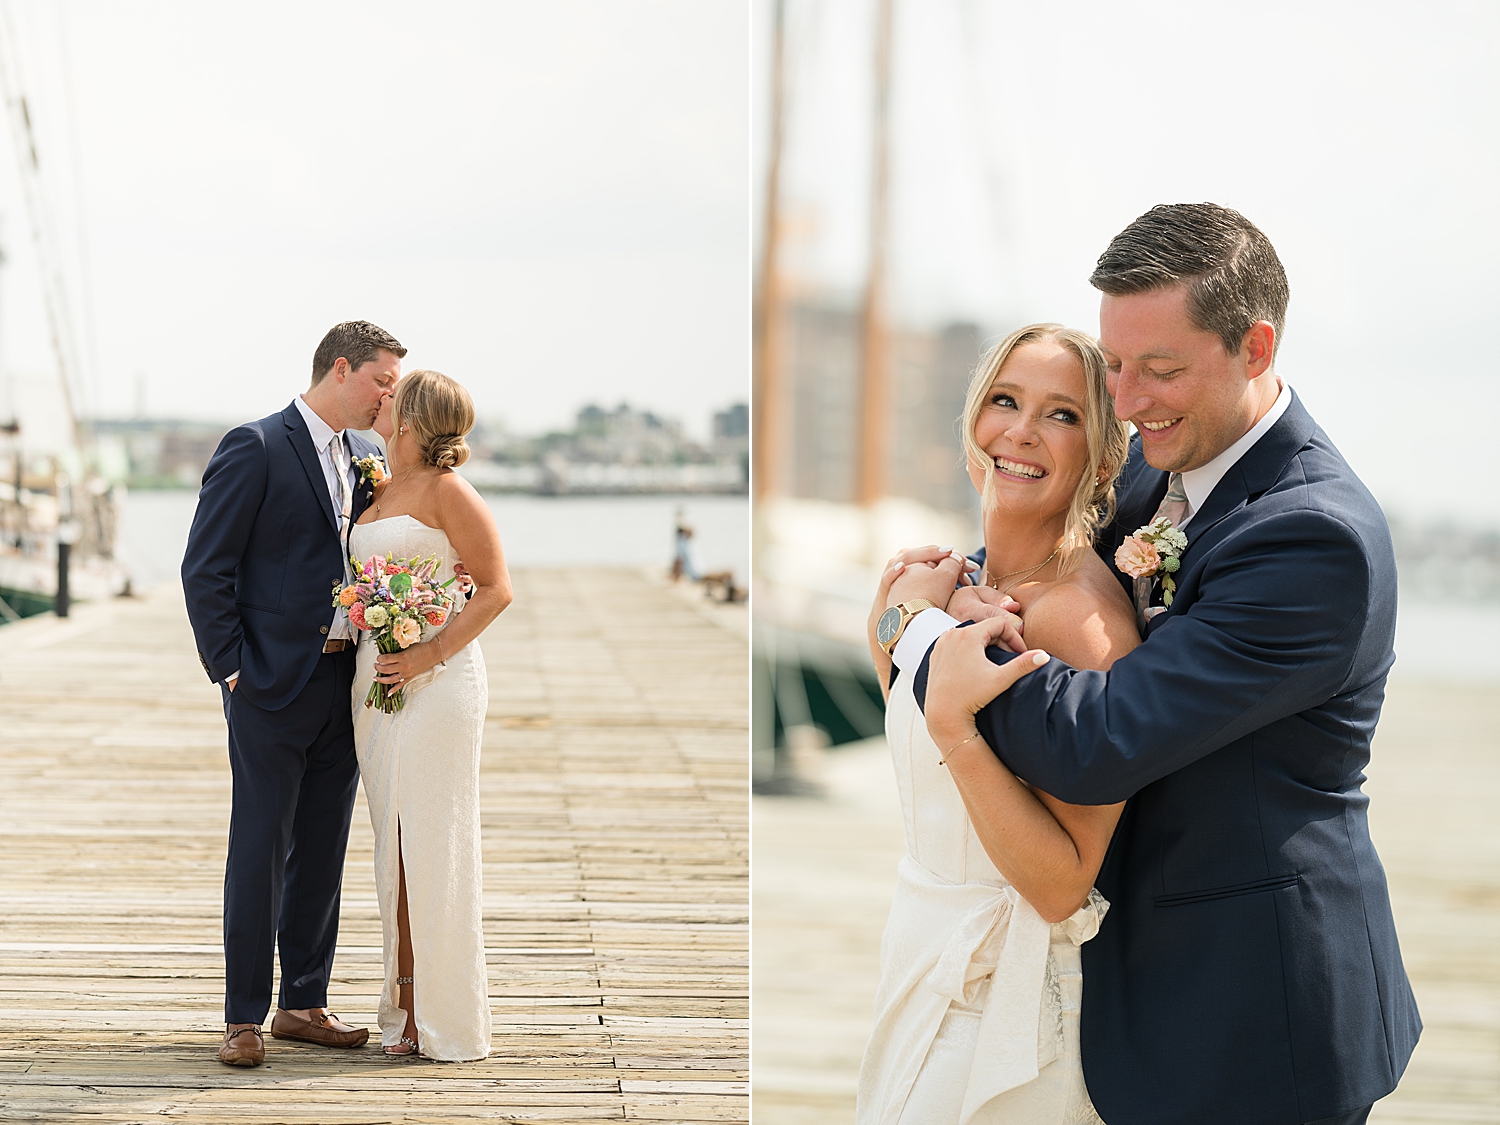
point(1180, 642)
point(285, 501)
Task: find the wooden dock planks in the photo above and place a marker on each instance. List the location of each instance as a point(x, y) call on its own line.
point(614, 789)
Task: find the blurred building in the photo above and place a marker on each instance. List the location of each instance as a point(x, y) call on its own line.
point(930, 373)
point(158, 452)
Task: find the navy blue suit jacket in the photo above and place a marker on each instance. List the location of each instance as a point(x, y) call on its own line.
point(1247, 972)
point(263, 556)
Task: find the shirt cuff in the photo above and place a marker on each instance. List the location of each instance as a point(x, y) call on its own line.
point(232, 676)
point(922, 632)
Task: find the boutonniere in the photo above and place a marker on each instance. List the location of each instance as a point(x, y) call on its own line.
point(1153, 550)
point(372, 469)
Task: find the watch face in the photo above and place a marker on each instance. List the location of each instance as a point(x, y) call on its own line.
point(885, 628)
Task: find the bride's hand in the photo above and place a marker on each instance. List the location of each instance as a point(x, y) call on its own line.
point(925, 558)
point(961, 678)
point(397, 668)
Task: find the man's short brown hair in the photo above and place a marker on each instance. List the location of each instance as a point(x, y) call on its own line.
point(1233, 276)
point(354, 340)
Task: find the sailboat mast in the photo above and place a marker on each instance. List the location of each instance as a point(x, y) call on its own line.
point(54, 290)
point(875, 380)
point(767, 370)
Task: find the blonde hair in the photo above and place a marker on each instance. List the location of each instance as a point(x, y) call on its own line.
point(439, 413)
point(1108, 441)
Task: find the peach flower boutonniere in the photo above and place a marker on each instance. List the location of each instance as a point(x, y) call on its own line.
point(372, 469)
point(1154, 550)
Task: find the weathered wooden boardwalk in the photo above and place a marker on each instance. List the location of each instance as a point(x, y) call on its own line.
point(825, 871)
point(616, 901)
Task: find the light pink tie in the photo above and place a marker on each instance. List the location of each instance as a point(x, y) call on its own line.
point(1174, 506)
point(1174, 503)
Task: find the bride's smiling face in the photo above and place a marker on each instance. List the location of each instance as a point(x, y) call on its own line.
point(1031, 427)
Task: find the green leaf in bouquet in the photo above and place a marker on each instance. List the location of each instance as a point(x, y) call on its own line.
point(400, 585)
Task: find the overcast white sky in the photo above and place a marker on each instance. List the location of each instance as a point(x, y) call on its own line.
point(547, 201)
point(1363, 139)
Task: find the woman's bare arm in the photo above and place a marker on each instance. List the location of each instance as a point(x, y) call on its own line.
point(1050, 851)
point(465, 518)
point(470, 527)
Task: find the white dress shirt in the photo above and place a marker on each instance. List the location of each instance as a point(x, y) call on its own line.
point(335, 461)
point(923, 630)
point(1200, 483)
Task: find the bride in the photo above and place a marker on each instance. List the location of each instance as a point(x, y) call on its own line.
point(977, 1009)
point(420, 765)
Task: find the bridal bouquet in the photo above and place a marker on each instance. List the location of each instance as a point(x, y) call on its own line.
point(391, 599)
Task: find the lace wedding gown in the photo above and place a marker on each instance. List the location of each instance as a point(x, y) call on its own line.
point(421, 774)
point(976, 1015)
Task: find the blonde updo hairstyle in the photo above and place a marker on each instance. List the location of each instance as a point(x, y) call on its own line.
point(1108, 440)
point(438, 413)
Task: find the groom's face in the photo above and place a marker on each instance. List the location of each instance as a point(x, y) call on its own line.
point(1174, 381)
point(369, 385)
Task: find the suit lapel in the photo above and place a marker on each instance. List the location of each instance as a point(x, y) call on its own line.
point(364, 491)
point(1260, 468)
point(302, 442)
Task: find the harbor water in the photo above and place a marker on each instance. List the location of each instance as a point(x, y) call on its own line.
point(536, 531)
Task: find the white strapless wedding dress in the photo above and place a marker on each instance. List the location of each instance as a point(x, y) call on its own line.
point(976, 1016)
point(421, 773)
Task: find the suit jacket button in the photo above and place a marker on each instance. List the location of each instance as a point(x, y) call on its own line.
point(322, 628)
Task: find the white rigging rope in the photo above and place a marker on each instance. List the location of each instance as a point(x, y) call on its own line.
point(44, 234)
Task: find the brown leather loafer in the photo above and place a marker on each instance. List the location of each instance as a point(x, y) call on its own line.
point(244, 1047)
point(320, 1030)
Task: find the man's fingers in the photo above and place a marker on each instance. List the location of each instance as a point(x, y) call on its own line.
point(1000, 631)
point(920, 554)
point(954, 564)
point(996, 598)
point(929, 555)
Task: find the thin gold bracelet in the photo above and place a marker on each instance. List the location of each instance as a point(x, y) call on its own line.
point(943, 761)
point(443, 660)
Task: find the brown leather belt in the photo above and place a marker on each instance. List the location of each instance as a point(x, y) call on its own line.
point(337, 645)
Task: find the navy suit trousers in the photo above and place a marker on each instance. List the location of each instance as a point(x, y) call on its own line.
point(295, 776)
point(1358, 1117)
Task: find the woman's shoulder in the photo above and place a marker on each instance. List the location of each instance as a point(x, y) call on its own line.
point(457, 502)
point(1084, 617)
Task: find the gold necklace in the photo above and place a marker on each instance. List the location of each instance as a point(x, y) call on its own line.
point(402, 481)
point(994, 583)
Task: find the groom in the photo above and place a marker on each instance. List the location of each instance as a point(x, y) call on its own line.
point(1248, 972)
point(267, 545)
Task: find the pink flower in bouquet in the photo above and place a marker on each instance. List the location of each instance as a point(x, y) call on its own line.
point(1137, 558)
point(406, 631)
point(357, 615)
point(348, 596)
point(435, 617)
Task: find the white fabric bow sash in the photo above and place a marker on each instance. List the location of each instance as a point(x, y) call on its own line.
point(1009, 1051)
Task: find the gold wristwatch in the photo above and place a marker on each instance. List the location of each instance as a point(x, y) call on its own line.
point(893, 622)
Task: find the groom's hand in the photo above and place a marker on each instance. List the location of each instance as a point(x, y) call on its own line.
point(980, 603)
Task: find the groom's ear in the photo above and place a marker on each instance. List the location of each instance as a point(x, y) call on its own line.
point(1259, 348)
